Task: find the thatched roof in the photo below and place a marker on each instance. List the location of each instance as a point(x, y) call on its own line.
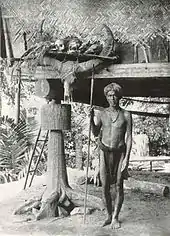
point(134, 21)
point(130, 20)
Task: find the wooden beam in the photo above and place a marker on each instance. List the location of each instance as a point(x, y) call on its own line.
point(146, 101)
point(137, 70)
point(150, 114)
point(147, 187)
point(149, 158)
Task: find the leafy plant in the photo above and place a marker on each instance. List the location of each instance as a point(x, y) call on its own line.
point(79, 131)
point(15, 144)
point(158, 133)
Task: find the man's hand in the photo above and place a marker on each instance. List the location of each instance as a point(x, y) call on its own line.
point(92, 113)
point(125, 164)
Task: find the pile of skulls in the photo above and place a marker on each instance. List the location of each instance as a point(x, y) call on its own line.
point(73, 45)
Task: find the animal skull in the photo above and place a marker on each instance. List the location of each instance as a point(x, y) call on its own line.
point(60, 45)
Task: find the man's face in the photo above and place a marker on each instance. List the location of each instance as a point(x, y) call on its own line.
point(112, 98)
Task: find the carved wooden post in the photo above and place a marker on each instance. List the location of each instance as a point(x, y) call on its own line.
point(135, 56)
point(59, 197)
point(55, 118)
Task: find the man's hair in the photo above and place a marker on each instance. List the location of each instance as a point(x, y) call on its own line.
point(113, 87)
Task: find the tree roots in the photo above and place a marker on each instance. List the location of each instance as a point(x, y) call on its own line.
point(57, 204)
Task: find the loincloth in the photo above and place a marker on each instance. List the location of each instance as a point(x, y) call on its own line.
point(112, 158)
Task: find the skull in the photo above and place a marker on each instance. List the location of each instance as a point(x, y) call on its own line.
point(60, 45)
point(73, 45)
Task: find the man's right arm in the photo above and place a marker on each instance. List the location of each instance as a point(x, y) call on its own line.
point(96, 126)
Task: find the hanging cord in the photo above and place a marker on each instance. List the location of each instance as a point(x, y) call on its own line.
point(89, 139)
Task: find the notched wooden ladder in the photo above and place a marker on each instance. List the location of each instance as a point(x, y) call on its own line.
point(38, 139)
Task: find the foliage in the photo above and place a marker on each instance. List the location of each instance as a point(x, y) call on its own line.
point(79, 130)
point(15, 144)
point(158, 133)
point(157, 129)
point(7, 84)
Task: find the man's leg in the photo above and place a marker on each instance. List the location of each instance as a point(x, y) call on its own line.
point(106, 195)
point(119, 195)
point(118, 205)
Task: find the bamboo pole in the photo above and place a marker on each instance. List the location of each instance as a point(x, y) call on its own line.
point(8, 44)
point(18, 97)
point(89, 137)
point(168, 50)
point(2, 37)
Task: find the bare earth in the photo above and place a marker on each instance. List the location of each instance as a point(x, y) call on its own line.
point(142, 214)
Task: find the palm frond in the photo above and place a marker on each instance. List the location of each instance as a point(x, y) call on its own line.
point(16, 140)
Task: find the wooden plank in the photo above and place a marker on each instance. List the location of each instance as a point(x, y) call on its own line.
point(150, 114)
point(163, 158)
point(137, 70)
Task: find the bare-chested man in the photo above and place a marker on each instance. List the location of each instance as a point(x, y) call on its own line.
point(114, 128)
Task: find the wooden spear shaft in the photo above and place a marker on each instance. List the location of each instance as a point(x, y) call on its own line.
point(89, 139)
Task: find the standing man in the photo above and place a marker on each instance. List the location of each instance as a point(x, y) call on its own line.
point(114, 128)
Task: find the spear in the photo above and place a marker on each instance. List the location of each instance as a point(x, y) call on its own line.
point(89, 139)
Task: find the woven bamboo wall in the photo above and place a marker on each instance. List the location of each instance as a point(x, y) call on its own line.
point(130, 20)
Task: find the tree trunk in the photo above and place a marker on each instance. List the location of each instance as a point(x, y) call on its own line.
point(59, 198)
point(147, 187)
point(56, 166)
point(57, 181)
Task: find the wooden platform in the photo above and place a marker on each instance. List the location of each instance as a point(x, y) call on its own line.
point(137, 71)
point(137, 80)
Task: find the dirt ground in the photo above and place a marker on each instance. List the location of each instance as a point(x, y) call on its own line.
point(142, 214)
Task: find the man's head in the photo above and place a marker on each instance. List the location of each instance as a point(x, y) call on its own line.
point(113, 93)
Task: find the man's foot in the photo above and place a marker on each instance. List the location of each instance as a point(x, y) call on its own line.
point(115, 224)
point(108, 221)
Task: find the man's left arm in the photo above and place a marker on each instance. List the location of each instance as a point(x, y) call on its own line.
point(128, 117)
